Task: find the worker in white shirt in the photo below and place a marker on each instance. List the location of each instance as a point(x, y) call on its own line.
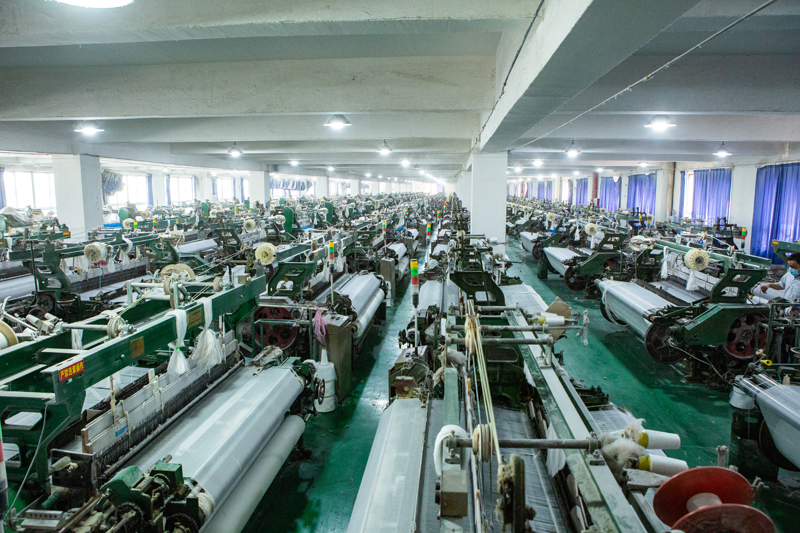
point(790, 282)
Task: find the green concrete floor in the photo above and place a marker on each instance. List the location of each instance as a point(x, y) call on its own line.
point(318, 494)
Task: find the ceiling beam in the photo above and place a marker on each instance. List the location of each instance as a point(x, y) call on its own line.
point(408, 84)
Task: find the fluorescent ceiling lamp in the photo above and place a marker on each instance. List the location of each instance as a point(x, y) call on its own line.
point(331, 169)
point(643, 165)
point(367, 175)
point(294, 163)
point(87, 127)
point(421, 172)
point(405, 163)
point(517, 169)
point(234, 150)
point(598, 169)
point(385, 149)
point(660, 123)
point(576, 173)
point(337, 122)
point(537, 163)
point(96, 3)
point(722, 151)
point(380, 175)
point(573, 150)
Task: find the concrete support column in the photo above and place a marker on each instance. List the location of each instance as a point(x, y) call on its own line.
point(623, 198)
point(662, 202)
point(321, 187)
point(79, 192)
point(743, 190)
point(355, 187)
point(159, 188)
point(466, 189)
point(489, 197)
point(259, 187)
point(204, 186)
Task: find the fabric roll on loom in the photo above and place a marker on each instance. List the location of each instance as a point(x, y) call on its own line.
point(630, 303)
point(197, 246)
point(557, 256)
point(217, 442)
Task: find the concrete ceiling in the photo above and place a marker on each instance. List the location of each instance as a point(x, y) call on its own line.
point(176, 83)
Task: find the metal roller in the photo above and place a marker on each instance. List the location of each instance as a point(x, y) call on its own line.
point(557, 256)
point(197, 246)
point(630, 303)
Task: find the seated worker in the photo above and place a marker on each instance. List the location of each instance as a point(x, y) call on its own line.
point(790, 282)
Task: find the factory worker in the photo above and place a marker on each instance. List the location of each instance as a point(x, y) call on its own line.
point(790, 282)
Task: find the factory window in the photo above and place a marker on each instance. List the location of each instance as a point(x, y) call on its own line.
point(134, 192)
point(181, 189)
point(30, 189)
point(245, 188)
point(225, 189)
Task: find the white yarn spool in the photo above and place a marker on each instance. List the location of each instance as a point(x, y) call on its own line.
point(266, 253)
point(249, 224)
point(591, 229)
point(95, 251)
point(696, 259)
point(702, 499)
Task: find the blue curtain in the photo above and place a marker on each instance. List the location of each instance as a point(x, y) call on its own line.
point(777, 208)
point(2, 188)
point(149, 178)
point(582, 191)
point(166, 184)
point(549, 190)
point(608, 193)
point(540, 192)
point(683, 193)
point(642, 192)
point(568, 199)
point(195, 186)
point(712, 194)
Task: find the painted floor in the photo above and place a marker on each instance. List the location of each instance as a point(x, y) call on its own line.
point(318, 494)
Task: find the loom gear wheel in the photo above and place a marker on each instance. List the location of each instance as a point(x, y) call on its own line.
point(696, 259)
point(741, 341)
point(280, 335)
point(266, 253)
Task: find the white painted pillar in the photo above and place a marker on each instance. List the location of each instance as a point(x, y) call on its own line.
point(322, 187)
point(79, 192)
point(489, 195)
point(259, 188)
point(574, 191)
point(355, 187)
point(204, 188)
point(383, 187)
point(662, 202)
point(466, 189)
point(159, 188)
point(623, 198)
point(743, 192)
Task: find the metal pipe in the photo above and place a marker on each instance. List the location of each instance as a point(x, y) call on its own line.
point(88, 327)
point(541, 444)
point(516, 328)
point(458, 341)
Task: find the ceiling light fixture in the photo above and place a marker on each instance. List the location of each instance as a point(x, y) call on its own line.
point(660, 123)
point(537, 163)
point(331, 169)
point(553, 175)
point(385, 149)
point(722, 151)
point(87, 127)
point(337, 122)
point(598, 169)
point(576, 173)
point(380, 176)
point(97, 4)
point(517, 169)
point(367, 175)
point(235, 151)
point(294, 163)
point(406, 163)
point(573, 150)
point(642, 164)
